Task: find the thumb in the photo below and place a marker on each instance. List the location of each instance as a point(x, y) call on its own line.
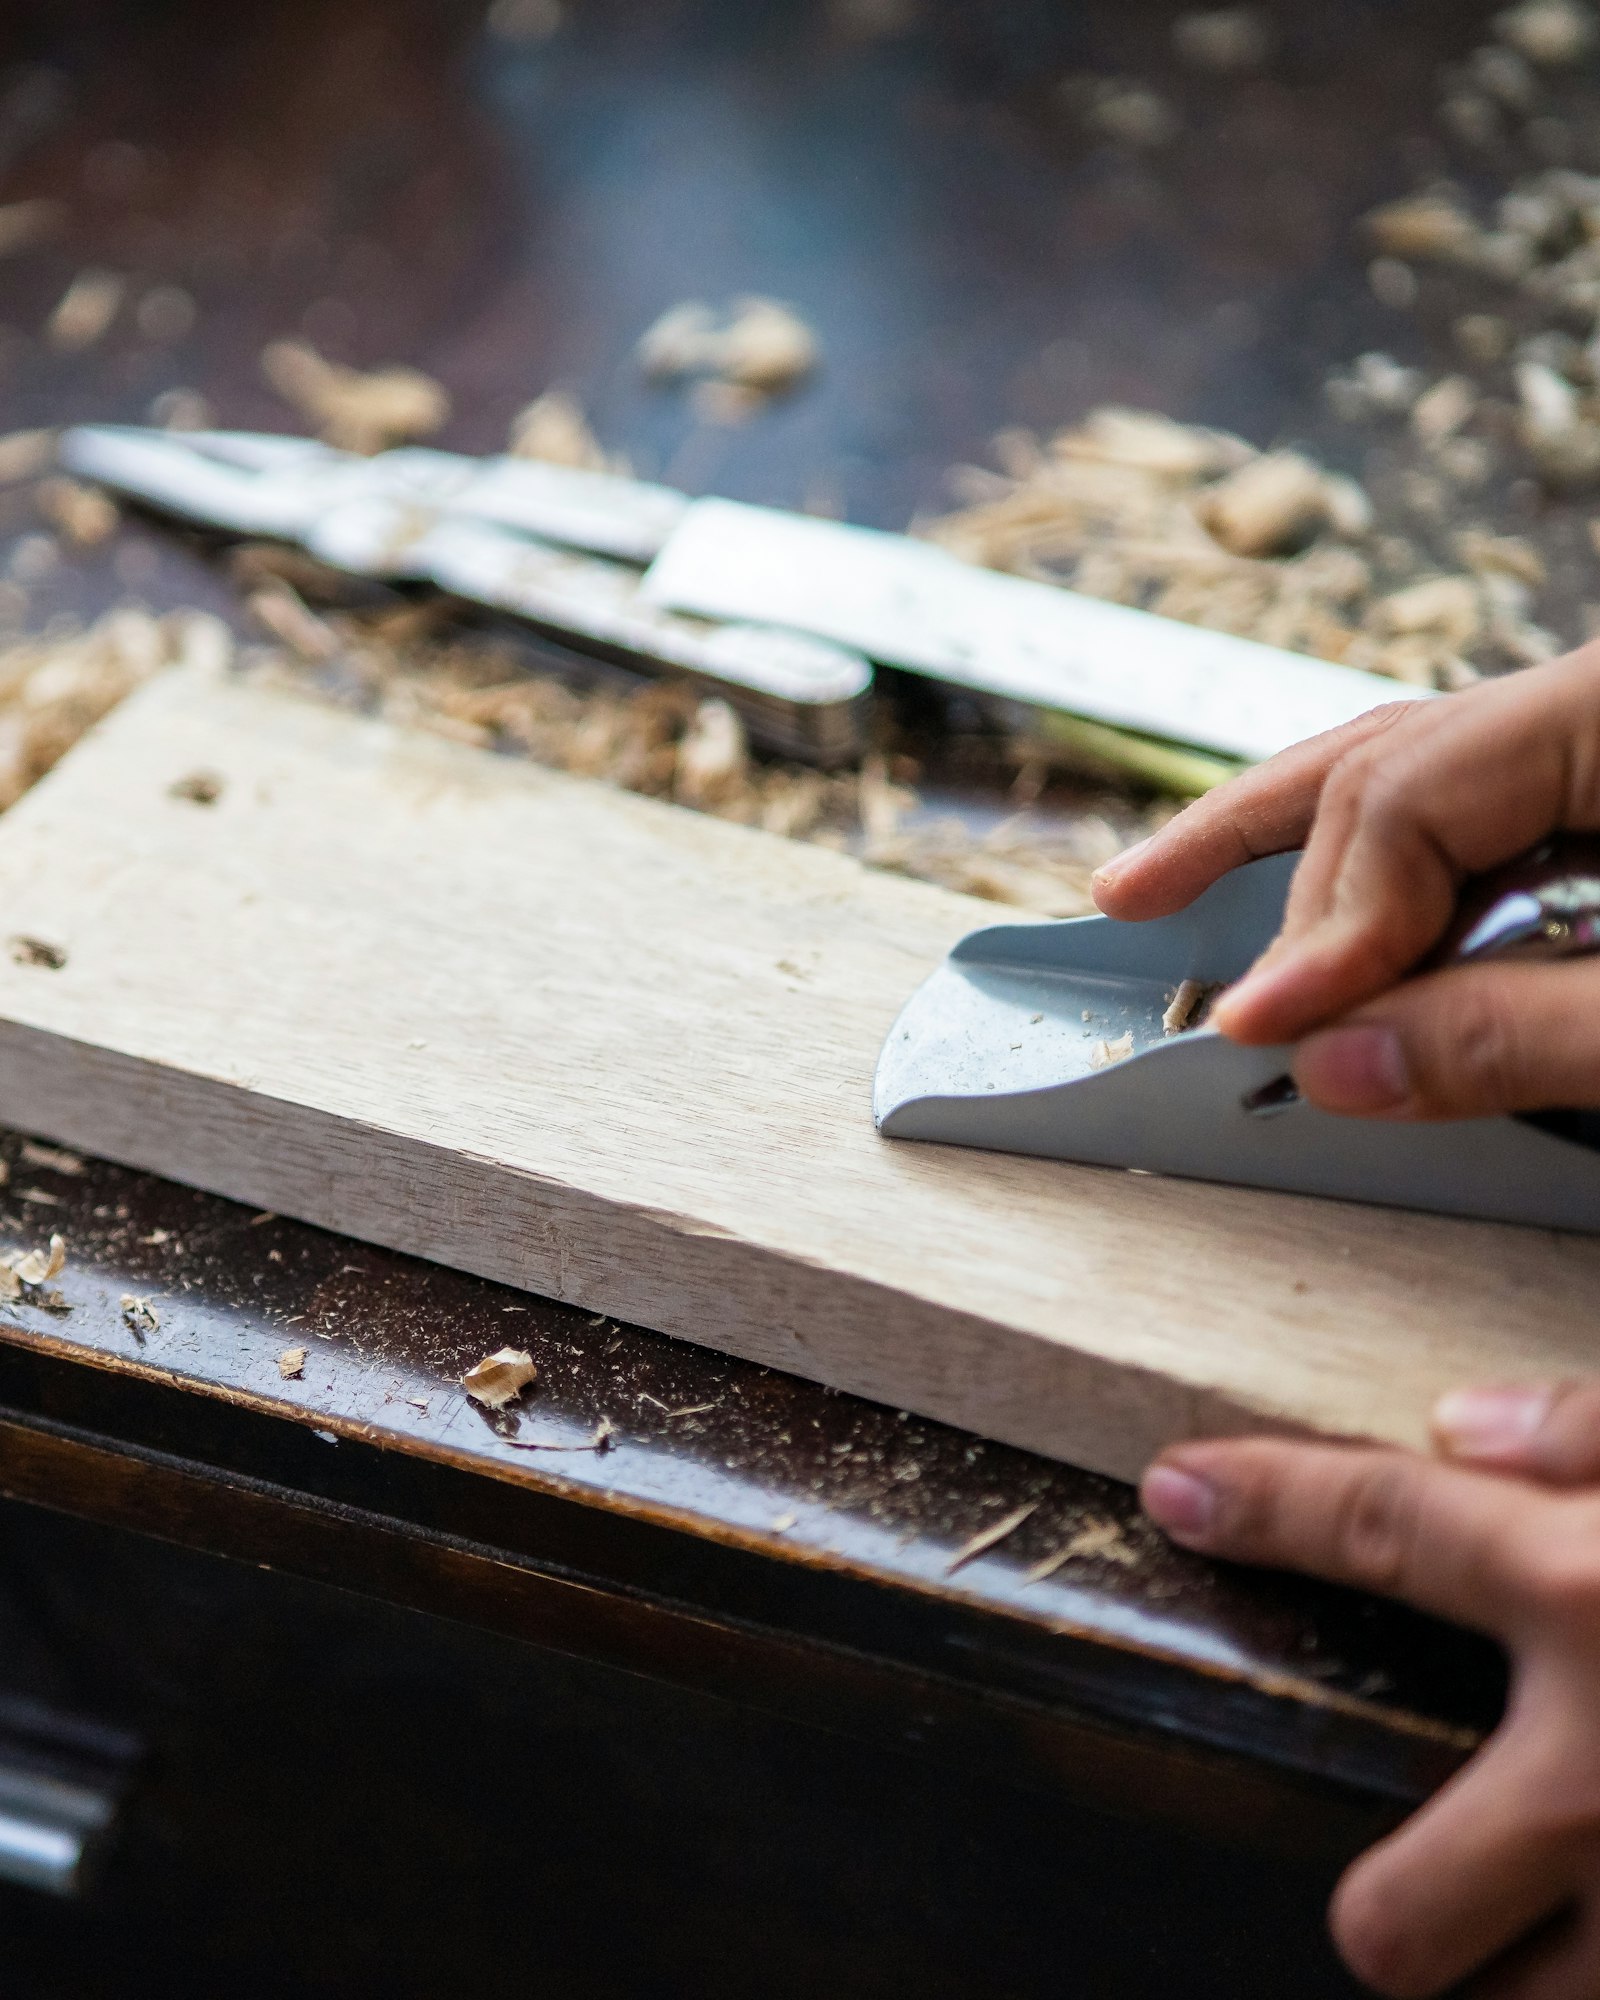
point(1466, 1043)
point(1539, 1431)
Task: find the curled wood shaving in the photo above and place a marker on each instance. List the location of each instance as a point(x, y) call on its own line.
point(499, 1379)
point(1105, 1054)
point(354, 411)
point(1187, 1005)
point(38, 1267)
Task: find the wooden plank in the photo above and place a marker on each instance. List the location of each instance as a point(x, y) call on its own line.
point(613, 1052)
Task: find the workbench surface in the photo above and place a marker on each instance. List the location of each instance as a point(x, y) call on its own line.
point(393, 184)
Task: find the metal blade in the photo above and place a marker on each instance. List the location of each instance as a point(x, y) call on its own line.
point(908, 604)
point(247, 486)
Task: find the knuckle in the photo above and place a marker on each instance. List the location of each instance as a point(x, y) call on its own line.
point(1484, 1053)
point(1376, 1521)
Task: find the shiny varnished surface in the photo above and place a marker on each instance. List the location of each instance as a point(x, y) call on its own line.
point(807, 1514)
point(392, 183)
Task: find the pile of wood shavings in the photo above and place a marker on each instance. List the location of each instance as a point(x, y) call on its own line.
point(1199, 526)
point(671, 741)
point(54, 688)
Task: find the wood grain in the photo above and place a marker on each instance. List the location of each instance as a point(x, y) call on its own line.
point(616, 1053)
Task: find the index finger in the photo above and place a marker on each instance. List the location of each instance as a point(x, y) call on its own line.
point(1269, 810)
point(1388, 1521)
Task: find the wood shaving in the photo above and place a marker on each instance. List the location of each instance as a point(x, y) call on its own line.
point(1104, 1054)
point(54, 1159)
point(357, 412)
point(37, 1267)
point(1268, 507)
point(292, 1363)
point(990, 1538)
point(604, 1432)
point(763, 348)
point(84, 514)
point(25, 455)
point(499, 1379)
point(1187, 1006)
point(139, 1316)
point(553, 430)
point(1100, 1541)
point(86, 312)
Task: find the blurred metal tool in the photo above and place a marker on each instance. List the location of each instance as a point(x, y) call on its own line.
point(785, 614)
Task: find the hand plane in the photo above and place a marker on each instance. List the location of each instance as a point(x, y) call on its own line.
point(1066, 1040)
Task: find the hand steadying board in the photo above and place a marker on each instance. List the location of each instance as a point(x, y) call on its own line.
point(608, 1050)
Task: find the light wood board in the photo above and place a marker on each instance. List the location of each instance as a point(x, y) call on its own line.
point(610, 1051)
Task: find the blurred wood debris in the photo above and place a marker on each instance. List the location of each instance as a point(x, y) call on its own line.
point(1199, 526)
point(739, 360)
point(353, 411)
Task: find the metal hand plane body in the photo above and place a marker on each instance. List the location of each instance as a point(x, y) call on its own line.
point(998, 1050)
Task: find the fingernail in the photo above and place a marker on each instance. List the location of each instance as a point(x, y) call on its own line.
point(1354, 1070)
point(1180, 1502)
point(1120, 861)
point(1489, 1423)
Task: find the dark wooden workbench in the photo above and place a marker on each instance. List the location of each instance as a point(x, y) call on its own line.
point(509, 214)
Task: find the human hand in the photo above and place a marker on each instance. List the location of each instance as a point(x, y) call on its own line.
point(1395, 812)
point(1500, 1874)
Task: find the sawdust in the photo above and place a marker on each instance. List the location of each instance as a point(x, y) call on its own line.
point(353, 411)
point(1104, 1054)
point(292, 1363)
point(54, 1159)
